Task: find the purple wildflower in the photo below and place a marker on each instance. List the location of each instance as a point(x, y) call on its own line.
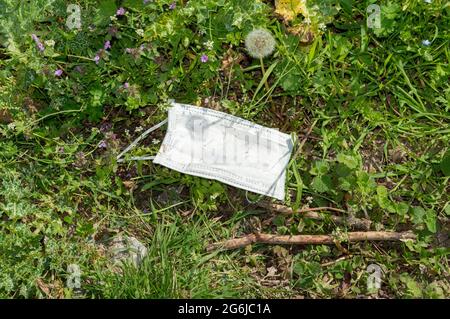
point(113, 31)
point(107, 45)
point(204, 58)
point(173, 5)
point(111, 136)
point(105, 127)
point(58, 72)
point(79, 69)
point(126, 85)
point(97, 59)
point(120, 12)
point(102, 144)
point(38, 42)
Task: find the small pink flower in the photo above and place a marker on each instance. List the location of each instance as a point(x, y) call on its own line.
point(97, 59)
point(120, 12)
point(58, 72)
point(204, 58)
point(126, 85)
point(107, 45)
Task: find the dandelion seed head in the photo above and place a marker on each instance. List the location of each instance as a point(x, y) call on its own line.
point(260, 43)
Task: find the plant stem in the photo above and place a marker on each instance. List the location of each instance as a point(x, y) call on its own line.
point(264, 74)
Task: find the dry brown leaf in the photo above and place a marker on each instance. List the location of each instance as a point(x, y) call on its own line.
point(130, 185)
point(5, 116)
point(289, 9)
point(43, 287)
point(304, 32)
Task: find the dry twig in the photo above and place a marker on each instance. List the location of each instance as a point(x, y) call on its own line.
point(261, 238)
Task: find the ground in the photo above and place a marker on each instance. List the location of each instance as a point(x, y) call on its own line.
point(367, 104)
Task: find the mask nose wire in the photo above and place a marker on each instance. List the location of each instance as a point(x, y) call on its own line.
point(136, 141)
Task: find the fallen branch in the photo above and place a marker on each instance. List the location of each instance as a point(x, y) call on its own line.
point(359, 223)
point(259, 238)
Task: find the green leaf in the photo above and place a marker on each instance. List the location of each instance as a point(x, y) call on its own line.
point(165, 181)
point(383, 199)
point(350, 161)
point(418, 214)
point(320, 168)
point(347, 5)
point(106, 9)
point(321, 184)
point(447, 209)
point(401, 209)
point(445, 164)
point(411, 285)
point(346, 183)
point(265, 77)
point(430, 220)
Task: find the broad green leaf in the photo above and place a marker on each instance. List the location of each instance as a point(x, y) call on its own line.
point(401, 209)
point(430, 220)
point(320, 168)
point(445, 164)
point(348, 160)
point(417, 215)
point(321, 184)
point(383, 199)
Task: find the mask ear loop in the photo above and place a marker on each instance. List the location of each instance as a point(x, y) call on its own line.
point(252, 202)
point(136, 141)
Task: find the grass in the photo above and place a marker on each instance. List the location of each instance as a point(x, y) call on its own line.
point(376, 103)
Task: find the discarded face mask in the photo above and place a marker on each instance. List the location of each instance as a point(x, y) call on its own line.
point(223, 147)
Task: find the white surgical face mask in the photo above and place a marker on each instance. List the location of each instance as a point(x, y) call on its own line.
point(219, 146)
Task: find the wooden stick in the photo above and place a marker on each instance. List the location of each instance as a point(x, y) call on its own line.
point(308, 239)
point(358, 223)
